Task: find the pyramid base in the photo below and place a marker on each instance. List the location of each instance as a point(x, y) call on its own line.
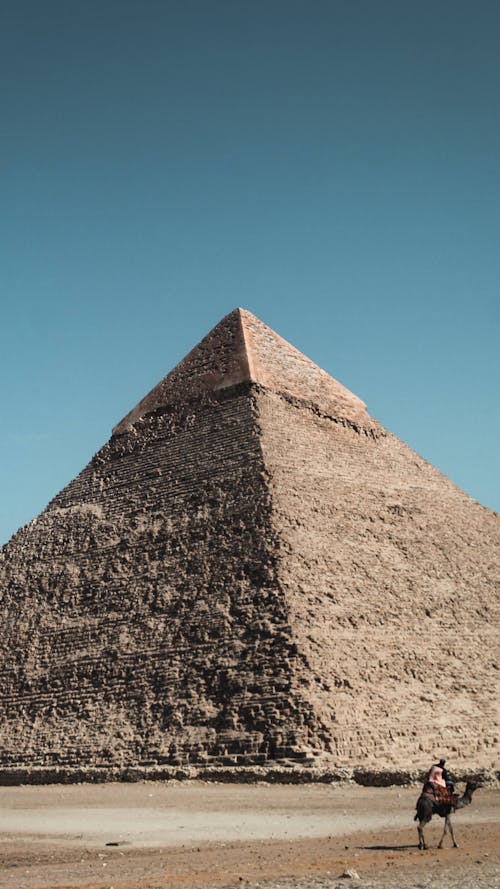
point(291, 773)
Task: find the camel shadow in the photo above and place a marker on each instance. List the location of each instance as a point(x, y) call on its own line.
point(388, 848)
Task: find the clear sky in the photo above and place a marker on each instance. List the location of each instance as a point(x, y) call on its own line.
point(334, 167)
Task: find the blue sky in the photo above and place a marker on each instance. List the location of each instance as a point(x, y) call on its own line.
point(334, 167)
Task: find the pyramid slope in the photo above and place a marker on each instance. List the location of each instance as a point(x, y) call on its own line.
point(242, 349)
point(245, 575)
point(280, 367)
point(218, 361)
point(392, 584)
point(143, 621)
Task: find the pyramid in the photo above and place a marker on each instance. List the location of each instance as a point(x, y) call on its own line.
point(252, 570)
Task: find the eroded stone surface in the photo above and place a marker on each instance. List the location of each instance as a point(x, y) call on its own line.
point(251, 570)
point(391, 578)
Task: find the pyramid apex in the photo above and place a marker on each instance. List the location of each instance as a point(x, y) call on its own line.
point(239, 349)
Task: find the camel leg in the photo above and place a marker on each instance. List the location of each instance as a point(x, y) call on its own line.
point(450, 828)
point(421, 839)
point(445, 831)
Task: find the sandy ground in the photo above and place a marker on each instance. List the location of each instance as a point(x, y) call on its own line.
point(193, 835)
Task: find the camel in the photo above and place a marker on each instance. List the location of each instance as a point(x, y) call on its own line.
point(427, 807)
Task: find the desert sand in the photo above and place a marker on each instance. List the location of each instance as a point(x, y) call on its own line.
point(194, 834)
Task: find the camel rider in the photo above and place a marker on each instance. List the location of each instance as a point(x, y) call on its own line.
point(438, 775)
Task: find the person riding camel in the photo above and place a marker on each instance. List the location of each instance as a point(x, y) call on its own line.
point(437, 773)
point(438, 777)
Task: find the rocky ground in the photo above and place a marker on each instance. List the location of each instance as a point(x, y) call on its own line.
point(191, 835)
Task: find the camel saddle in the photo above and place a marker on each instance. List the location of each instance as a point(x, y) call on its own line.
point(438, 794)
